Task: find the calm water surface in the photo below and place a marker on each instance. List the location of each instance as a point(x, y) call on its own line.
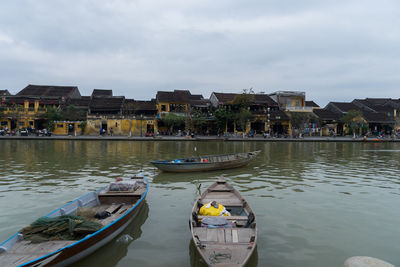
point(316, 203)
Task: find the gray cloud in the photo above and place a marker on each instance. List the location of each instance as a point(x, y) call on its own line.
point(332, 50)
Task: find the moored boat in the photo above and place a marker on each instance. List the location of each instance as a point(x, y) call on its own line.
point(206, 163)
point(227, 240)
point(78, 228)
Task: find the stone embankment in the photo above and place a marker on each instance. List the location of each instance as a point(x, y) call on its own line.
point(198, 138)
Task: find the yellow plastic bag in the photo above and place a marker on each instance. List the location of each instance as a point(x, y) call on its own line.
point(209, 209)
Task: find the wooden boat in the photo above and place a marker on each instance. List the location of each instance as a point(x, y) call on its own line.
point(206, 163)
point(224, 240)
point(120, 201)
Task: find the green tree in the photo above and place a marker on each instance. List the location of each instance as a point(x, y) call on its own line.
point(199, 119)
point(83, 126)
point(52, 115)
point(240, 105)
point(354, 121)
point(298, 119)
point(244, 99)
point(2, 111)
point(73, 113)
point(222, 115)
point(170, 120)
point(242, 118)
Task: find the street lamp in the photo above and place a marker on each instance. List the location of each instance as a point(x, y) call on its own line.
point(268, 116)
point(141, 124)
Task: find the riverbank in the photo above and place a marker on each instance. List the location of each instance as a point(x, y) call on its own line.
point(200, 138)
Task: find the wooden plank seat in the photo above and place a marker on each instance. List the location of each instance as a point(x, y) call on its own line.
point(230, 218)
point(120, 193)
point(224, 235)
point(224, 201)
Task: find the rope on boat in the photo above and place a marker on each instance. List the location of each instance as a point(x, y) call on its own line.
point(218, 257)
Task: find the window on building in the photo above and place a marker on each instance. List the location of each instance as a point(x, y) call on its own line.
point(60, 125)
point(163, 107)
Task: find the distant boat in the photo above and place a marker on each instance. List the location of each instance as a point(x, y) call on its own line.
point(206, 163)
point(114, 207)
point(224, 240)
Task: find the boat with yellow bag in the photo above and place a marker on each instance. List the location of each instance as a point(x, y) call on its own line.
point(223, 226)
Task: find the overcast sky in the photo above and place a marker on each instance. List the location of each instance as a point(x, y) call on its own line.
point(333, 50)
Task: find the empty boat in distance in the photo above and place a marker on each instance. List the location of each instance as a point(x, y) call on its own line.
point(206, 163)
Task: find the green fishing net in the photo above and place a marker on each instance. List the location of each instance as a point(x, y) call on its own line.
point(65, 227)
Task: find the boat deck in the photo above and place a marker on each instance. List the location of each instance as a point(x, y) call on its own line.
point(225, 246)
point(24, 251)
point(225, 198)
point(224, 235)
point(111, 208)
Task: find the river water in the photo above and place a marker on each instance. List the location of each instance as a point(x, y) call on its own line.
point(316, 203)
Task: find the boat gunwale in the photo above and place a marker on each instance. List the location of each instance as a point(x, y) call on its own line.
point(90, 235)
point(168, 161)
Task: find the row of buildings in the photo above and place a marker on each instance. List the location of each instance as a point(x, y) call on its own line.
point(65, 111)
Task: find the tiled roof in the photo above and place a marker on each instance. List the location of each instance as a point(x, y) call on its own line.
point(344, 106)
point(278, 115)
point(382, 109)
point(377, 117)
point(49, 90)
point(200, 103)
point(19, 100)
point(4, 92)
point(106, 104)
point(263, 99)
point(224, 98)
point(177, 96)
point(377, 101)
point(84, 101)
point(258, 99)
point(378, 104)
point(132, 107)
point(145, 105)
point(311, 104)
point(102, 92)
point(325, 114)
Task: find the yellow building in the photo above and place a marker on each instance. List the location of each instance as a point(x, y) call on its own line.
point(22, 112)
point(292, 101)
point(128, 126)
point(266, 116)
point(180, 103)
point(68, 127)
point(28, 107)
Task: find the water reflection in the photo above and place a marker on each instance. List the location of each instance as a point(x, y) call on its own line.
point(316, 203)
point(114, 251)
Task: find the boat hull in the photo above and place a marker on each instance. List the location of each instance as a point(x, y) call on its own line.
point(183, 166)
point(229, 245)
point(74, 251)
point(73, 254)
